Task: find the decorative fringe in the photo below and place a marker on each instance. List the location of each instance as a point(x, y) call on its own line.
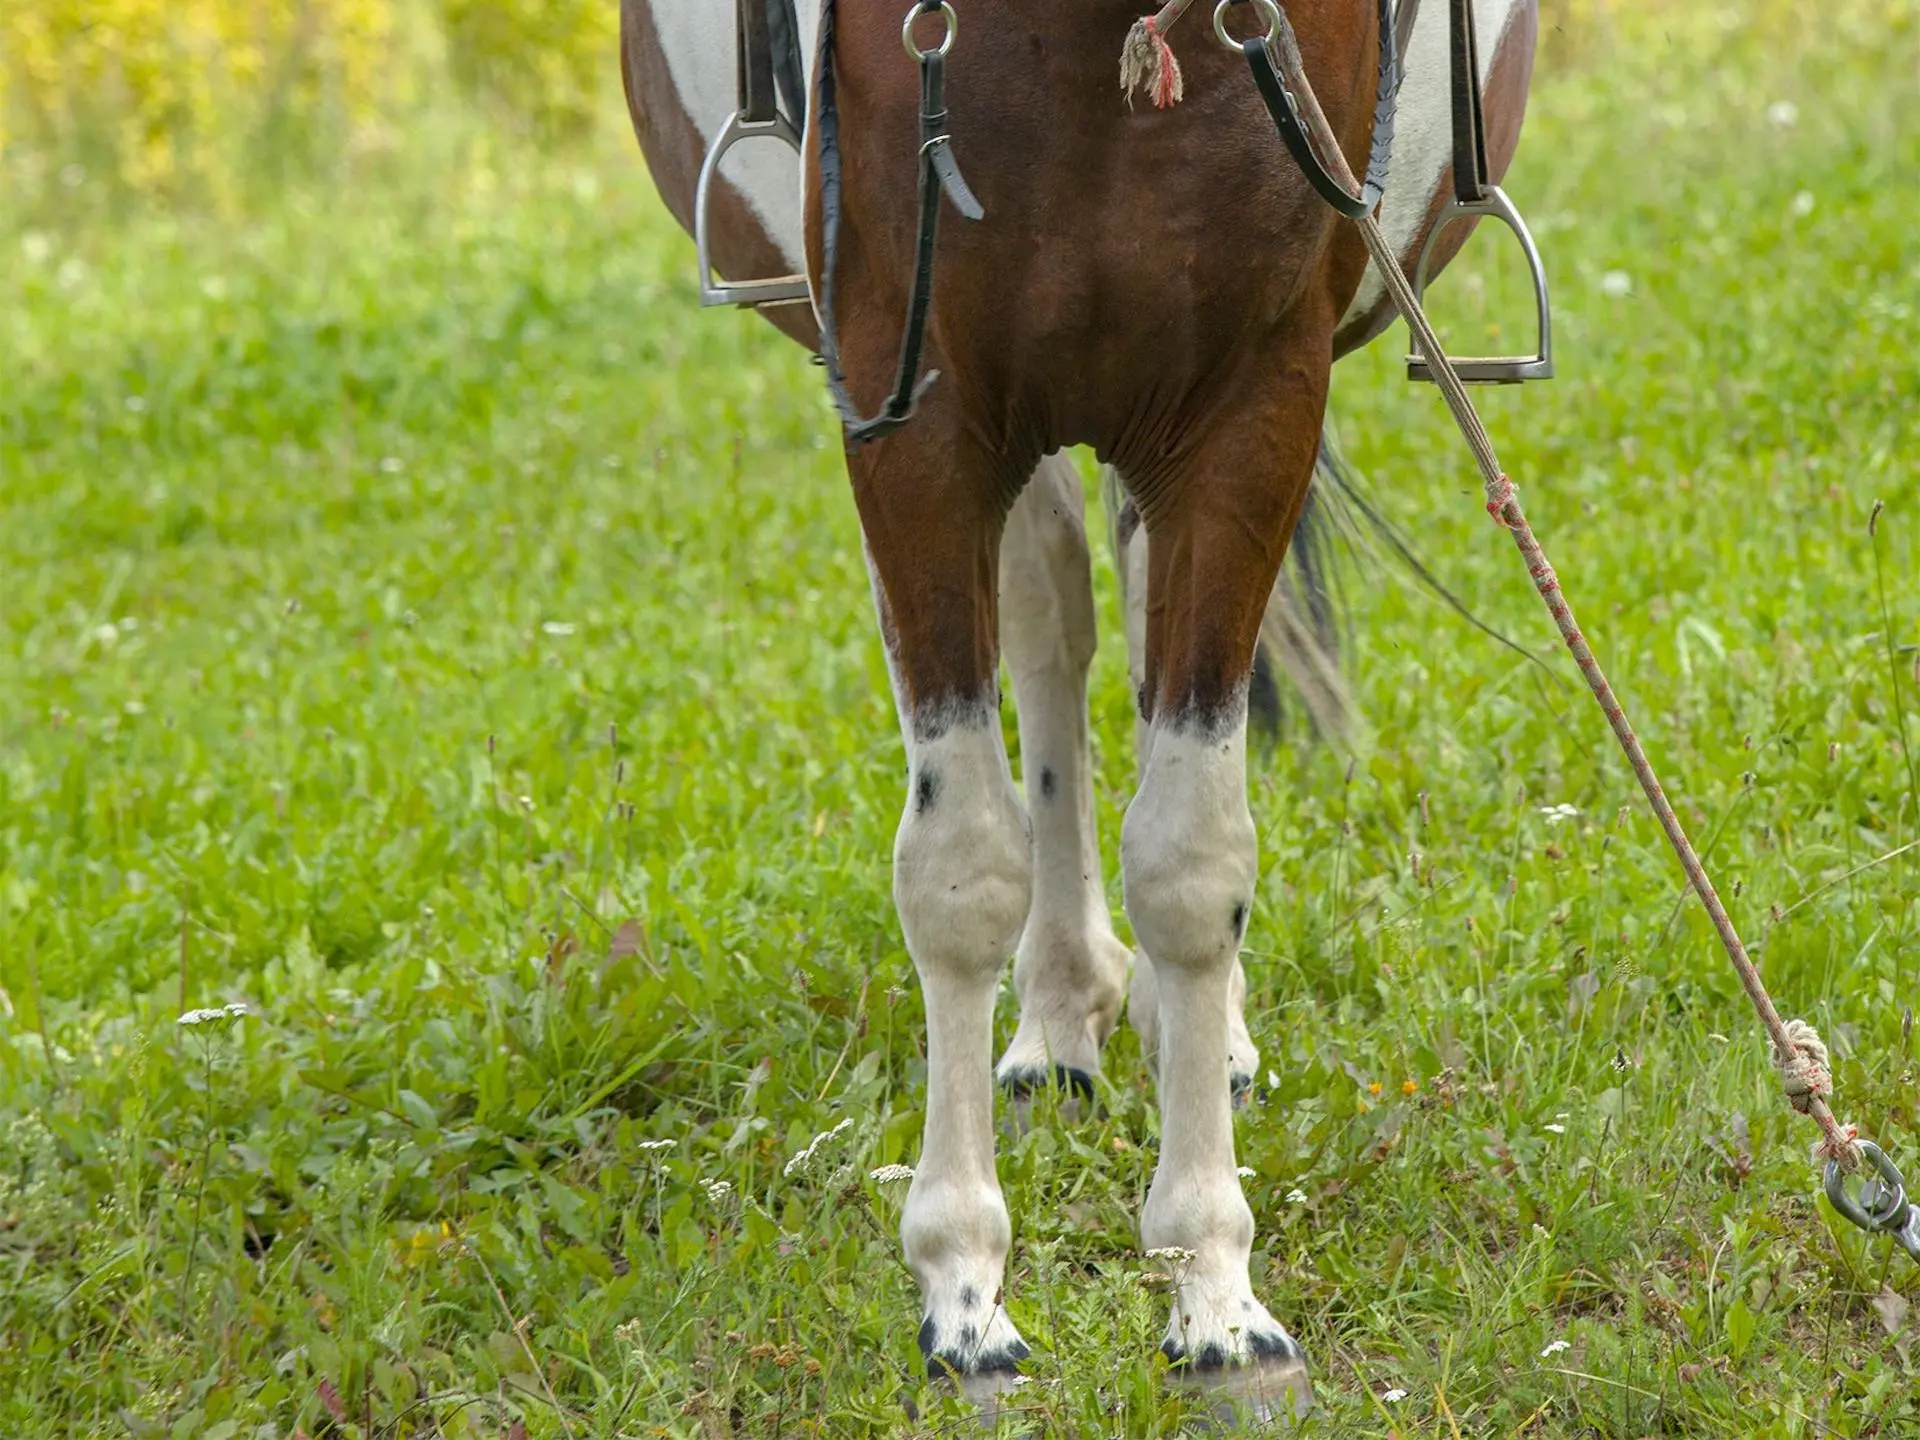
point(1147, 63)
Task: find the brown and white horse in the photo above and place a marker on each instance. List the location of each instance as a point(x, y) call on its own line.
point(1160, 285)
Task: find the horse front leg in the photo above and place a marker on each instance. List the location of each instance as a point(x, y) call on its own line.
point(1218, 529)
point(962, 869)
point(1143, 994)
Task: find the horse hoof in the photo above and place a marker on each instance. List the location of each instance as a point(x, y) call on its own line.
point(1075, 1087)
point(985, 1381)
point(1265, 1389)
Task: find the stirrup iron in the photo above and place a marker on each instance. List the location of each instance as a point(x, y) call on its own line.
point(1489, 369)
point(780, 290)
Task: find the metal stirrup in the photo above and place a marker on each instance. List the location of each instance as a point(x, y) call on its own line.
point(758, 117)
point(1489, 369)
point(1474, 197)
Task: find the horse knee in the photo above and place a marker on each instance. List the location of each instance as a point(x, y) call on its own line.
point(962, 868)
point(1188, 849)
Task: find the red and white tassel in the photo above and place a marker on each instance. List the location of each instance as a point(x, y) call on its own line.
point(1147, 63)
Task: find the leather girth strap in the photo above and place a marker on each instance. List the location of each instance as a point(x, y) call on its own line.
point(939, 174)
point(1285, 110)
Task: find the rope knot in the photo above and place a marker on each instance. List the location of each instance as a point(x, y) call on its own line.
point(1804, 1073)
point(1500, 494)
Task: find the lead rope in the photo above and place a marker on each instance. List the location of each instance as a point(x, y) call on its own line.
point(1798, 1053)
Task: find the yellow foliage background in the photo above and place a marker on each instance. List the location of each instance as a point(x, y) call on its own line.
point(176, 98)
point(191, 95)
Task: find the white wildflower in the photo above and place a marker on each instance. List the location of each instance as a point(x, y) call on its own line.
point(1554, 1129)
point(1554, 1347)
point(1245, 1172)
point(717, 1190)
point(887, 1174)
point(1394, 1396)
point(1172, 1254)
point(235, 1009)
point(800, 1161)
point(1617, 283)
point(1802, 205)
point(1783, 113)
point(1296, 1196)
point(212, 1015)
point(391, 465)
point(1554, 814)
point(556, 627)
point(656, 1144)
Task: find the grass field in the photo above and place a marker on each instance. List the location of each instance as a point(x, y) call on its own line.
point(425, 628)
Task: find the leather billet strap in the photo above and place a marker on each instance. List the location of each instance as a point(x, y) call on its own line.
point(1469, 124)
point(767, 62)
point(939, 173)
point(753, 56)
point(1285, 111)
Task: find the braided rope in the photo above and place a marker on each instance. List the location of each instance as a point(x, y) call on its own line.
point(1799, 1054)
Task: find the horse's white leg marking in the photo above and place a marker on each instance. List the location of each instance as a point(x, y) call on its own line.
point(962, 879)
point(1423, 130)
point(1143, 1003)
point(1070, 970)
point(1187, 854)
point(697, 37)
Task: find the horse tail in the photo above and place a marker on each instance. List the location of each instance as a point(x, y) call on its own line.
point(1303, 631)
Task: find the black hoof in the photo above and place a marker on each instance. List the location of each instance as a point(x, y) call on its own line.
point(1270, 1385)
point(982, 1375)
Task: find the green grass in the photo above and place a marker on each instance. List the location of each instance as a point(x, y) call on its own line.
point(422, 625)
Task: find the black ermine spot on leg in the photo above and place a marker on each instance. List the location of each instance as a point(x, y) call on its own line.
point(1239, 921)
point(926, 790)
point(1046, 782)
point(969, 1297)
point(926, 1337)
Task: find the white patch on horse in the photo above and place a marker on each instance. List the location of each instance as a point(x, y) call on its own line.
point(1188, 860)
point(962, 880)
point(1423, 131)
point(697, 37)
point(1071, 969)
